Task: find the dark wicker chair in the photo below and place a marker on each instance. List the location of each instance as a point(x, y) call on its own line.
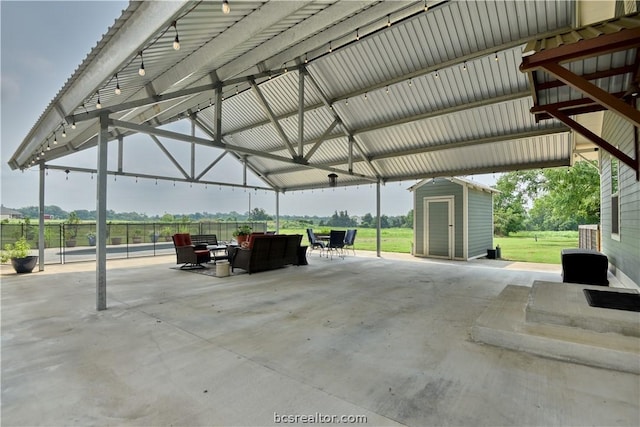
point(187, 254)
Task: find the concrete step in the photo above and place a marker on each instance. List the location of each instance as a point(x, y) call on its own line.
point(504, 324)
point(565, 304)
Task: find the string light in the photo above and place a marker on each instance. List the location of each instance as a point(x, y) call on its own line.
point(117, 91)
point(357, 33)
point(330, 48)
point(496, 57)
point(141, 71)
point(55, 139)
point(388, 20)
point(64, 132)
point(464, 67)
point(225, 7)
point(410, 82)
point(387, 90)
point(48, 146)
point(176, 41)
point(425, 6)
point(437, 75)
point(98, 104)
point(306, 60)
point(73, 125)
point(365, 96)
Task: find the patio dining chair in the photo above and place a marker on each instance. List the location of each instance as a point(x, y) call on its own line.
point(336, 243)
point(350, 239)
point(313, 242)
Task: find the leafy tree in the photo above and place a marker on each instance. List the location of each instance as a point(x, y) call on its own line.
point(341, 219)
point(259, 214)
point(508, 205)
point(409, 219)
point(367, 221)
point(556, 199)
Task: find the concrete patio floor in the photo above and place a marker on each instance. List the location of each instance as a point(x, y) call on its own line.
point(385, 338)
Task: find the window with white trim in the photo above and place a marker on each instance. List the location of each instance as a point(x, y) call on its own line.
point(615, 198)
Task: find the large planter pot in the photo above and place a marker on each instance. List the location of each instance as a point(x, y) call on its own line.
point(136, 239)
point(24, 265)
point(92, 240)
point(242, 238)
point(71, 243)
point(116, 240)
point(154, 238)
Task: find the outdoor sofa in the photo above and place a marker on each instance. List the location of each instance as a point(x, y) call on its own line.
point(267, 252)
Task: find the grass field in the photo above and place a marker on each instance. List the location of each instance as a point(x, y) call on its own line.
point(540, 246)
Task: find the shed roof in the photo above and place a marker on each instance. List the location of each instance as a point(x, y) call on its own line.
point(457, 180)
point(370, 90)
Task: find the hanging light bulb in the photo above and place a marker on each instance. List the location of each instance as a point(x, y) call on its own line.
point(365, 96)
point(141, 71)
point(98, 104)
point(388, 20)
point(55, 139)
point(176, 41)
point(410, 82)
point(464, 67)
point(330, 48)
point(387, 90)
point(437, 75)
point(64, 132)
point(425, 6)
point(48, 146)
point(306, 60)
point(225, 7)
point(496, 57)
point(73, 125)
point(117, 91)
point(357, 33)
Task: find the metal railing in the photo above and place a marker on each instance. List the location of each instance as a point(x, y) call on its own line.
point(66, 242)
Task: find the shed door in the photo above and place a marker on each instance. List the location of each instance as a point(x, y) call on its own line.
point(438, 227)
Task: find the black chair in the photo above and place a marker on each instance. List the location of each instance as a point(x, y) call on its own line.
point(349, 239)
point(336, 243)
point(313, 242)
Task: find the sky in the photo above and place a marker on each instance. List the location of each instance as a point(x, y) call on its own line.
point(41, 44)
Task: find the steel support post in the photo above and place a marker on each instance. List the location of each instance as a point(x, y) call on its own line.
point(101, 215)
point(41, 219)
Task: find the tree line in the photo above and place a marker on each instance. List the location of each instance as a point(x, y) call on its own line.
point(338, 219)
point(552, 199)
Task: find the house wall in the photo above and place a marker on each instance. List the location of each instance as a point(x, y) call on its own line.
point(441, 188)
point(623, 250)
point(480, 217)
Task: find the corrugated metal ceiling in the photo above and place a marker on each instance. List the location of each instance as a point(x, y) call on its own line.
point(422, 97)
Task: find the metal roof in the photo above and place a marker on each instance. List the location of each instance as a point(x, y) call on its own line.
point(391, 91)
point(587, 70)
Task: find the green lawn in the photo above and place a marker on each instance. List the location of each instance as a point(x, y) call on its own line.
point(541, 246)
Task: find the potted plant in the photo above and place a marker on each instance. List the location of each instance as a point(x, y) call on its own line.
point(71, 229)
point(18, 254)
point(166, 232)
point(242, 233)
point(153, 236)
point(92, 238)
point(137, 236)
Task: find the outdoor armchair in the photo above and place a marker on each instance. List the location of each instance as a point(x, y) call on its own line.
point(187, 254)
